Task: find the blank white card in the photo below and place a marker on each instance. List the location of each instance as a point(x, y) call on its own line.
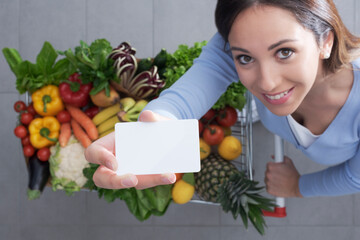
point(157, 147)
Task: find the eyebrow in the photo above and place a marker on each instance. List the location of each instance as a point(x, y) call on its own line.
point(272, 46)
point(280, 42)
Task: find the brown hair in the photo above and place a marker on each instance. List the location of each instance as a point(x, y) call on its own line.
point(318, 16)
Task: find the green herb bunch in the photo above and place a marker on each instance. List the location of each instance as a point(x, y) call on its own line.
point(93, 64)
point(180, 61)
point(45, 71)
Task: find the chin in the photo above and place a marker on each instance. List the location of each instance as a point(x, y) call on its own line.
point(280, 110)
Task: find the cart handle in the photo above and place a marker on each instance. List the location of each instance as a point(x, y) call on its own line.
point(280, 209)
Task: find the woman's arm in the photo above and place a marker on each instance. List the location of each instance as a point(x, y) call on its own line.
point(338, 180)
point(201, 86)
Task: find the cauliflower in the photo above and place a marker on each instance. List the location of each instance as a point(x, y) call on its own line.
point(66, 166)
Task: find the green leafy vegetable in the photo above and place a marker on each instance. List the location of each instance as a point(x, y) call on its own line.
point(234, 96)
point(141, 203)
point(180, 61)
point(93, 64)
point(46, 70)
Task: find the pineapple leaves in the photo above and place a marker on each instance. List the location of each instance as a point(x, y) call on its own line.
point(240, 195)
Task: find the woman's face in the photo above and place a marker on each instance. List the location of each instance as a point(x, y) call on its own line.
point(276, 58)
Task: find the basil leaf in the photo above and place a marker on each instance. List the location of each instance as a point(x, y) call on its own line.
point(46, 58)
point(13, 58)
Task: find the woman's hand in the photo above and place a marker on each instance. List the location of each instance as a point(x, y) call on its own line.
point(282, 179)
point(102, 152)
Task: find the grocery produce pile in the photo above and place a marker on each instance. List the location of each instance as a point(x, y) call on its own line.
point(77, 96)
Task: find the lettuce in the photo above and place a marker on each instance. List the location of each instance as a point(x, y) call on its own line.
point(141, 203)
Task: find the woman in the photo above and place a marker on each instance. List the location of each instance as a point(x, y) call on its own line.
point(298, 60)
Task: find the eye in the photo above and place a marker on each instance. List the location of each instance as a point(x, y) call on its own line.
point(284, 53)
point(244, 59)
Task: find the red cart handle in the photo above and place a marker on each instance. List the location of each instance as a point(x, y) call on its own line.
point(280, 209)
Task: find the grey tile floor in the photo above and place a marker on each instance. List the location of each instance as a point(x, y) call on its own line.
point(154, 24)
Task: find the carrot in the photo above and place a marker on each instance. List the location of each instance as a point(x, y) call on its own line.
point(80, 134)
point(65, 134)
point(84, 121)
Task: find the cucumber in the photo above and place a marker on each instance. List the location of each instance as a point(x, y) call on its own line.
point(144, 65)
point(160, 58)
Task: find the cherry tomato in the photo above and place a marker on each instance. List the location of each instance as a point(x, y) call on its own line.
point(19, 106)
point(30, 109)
point(63, 116)
point(26, 118)
point(227, 117)
point(25, 140)
point(43, 154)
point(213, 134)
point(20, 131)
point(92, 111)
point(201, 127)
point(209, 116)
point(28, 150)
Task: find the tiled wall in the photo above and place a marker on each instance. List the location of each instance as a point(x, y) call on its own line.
point(148, 25)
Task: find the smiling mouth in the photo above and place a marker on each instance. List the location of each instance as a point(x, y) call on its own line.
point(278, 96)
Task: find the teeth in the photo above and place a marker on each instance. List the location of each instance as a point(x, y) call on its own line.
point(278, 96)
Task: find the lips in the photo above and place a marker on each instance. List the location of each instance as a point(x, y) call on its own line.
point(278, 98)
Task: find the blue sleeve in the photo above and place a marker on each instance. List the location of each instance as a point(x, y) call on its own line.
point(338, 180)
point(201, 86)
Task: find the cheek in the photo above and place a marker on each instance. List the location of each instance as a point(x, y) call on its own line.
point(247, 77)
point(306, 69)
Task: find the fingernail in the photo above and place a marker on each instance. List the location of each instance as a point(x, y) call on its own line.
point(128, 181)
point(168, 178)
point(109, 165)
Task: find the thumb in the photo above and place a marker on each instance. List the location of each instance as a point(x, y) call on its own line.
point(149, 116)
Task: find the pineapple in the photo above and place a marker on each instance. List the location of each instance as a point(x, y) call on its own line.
point(221, 182)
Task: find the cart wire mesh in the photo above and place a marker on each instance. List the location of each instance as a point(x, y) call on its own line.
point(243, 131)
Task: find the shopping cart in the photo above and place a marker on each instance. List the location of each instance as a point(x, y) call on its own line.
point(243, 131)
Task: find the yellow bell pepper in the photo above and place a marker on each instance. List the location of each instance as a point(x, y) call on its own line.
point(44, 131)
point(47, 101)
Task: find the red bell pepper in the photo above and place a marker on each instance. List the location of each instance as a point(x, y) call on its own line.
point(74, 92)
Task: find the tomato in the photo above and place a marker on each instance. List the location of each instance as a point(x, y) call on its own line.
point(227, 117)
point(28, 150)
point(209, 116)
point(20, 131)
point(92, 111)
point(201, 127)
point(43, 154)
point(25, 140)
point(213, 134)
point(26, 118)
point(30, 109)
point(19, 106)
point(63, 116)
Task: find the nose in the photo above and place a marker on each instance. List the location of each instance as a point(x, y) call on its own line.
point(268, 78)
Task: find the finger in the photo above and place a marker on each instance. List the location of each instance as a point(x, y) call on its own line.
point(149, 116)
point(106, 178)
point(98, 154)
point(288, 161)
point(146, 181)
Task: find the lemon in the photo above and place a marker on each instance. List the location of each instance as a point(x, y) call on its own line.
point(230, 148)
point(205, 149)
point(182, 192)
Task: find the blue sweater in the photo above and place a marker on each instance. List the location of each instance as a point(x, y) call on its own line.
point(201, 86)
